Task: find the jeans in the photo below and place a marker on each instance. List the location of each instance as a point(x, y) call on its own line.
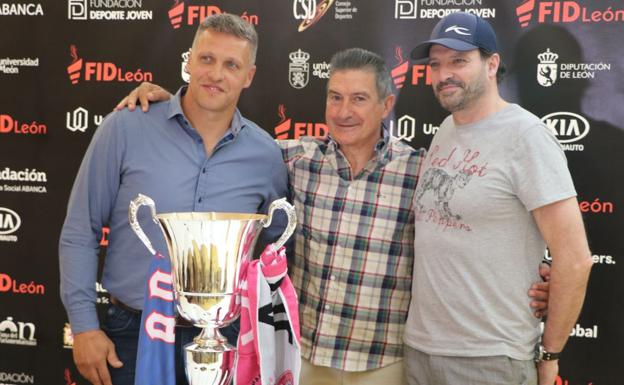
point(122, 327)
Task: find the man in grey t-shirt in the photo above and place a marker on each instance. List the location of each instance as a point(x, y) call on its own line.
point(494, 191)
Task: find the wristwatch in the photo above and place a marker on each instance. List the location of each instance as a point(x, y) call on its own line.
point(542, 355)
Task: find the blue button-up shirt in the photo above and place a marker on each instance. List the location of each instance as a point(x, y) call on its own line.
point(160, 155)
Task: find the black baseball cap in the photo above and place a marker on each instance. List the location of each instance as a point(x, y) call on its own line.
point(460, 31)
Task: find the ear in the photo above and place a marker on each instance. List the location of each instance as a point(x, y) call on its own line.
point(388, 105)
point(492, 65)
point(250, 76)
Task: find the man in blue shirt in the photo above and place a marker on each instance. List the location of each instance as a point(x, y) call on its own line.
point(193, 153)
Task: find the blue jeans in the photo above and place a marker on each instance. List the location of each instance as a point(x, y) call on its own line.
point(122, 327)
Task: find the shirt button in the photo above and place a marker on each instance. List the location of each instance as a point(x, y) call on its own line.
point(204, 170)
point(327, 307)
point(332, 277)
point(199, 200)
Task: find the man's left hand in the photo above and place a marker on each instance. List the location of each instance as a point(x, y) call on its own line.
point(547, 372)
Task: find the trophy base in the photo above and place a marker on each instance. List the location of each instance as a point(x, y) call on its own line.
point(209, 365)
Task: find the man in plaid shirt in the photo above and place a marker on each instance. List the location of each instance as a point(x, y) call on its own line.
point(354, 243)
point(353, 257)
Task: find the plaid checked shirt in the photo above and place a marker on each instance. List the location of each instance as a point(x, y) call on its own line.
point(354, 250)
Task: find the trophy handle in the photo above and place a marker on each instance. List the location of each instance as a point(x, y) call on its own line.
point(133, 209)
point(292, 219)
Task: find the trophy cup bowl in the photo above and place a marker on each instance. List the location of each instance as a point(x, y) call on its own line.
point(208, 251)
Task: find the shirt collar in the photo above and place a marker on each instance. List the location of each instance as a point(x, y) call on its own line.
point(175, 109)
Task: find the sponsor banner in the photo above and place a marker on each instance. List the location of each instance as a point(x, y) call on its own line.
point(68, 377)
point(186, 77)
point(299, 69)
point(310, 12)
point(89, 71)
point(437, 9)
point(11, 66)
point(548, 71)
point(566, 11)
point(568, 128)
point(287, 129)
point(102, 294)
point(79, 120)
point(107, 10)
point(8, 175)
point(14, 378)
point(404, 128)
point(181, 14)
point(596, 207)
point(584, 332)
point(21, 9)
point(9, 223)
point(14, 332)
point(68, 337)
point(10, 285)
point(11, 125)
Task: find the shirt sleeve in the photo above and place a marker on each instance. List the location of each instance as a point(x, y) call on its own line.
point(90, 205)
point(539, 170)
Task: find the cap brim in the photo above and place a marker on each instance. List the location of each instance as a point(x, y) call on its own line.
point(421, 51)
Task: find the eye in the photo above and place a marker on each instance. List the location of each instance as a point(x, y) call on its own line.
point(459, 60)
point(333, 98)
point(205, 58)
point(232, 65)
point(434, 65)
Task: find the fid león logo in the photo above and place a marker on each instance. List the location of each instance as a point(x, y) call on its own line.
point(101, 71)
point(283, 128)
point(400, 71)
point(196, 13)
point(565, 12)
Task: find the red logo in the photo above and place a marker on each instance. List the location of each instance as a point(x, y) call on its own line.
point(321, 9)
point(398, 73)
point(68, 380)
point(104, 240)
point(7, 284)
point(283, 128)
point(565, 12)
point(421, 71)
point(195, 14)
point(73, 70)
point(102, 71)
point(175, 14)
point(8, 124)
point(561, 381)
point(596, 207)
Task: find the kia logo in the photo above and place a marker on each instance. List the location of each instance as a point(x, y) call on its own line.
point(9, 221)
point(568, 127)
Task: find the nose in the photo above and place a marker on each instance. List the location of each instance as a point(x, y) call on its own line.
point(215, 72)
point(344, 111)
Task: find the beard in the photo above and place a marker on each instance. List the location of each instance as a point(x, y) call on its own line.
point(462, 97)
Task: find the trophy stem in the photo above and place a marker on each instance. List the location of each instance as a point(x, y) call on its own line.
point(209, 359)
point(210, 339)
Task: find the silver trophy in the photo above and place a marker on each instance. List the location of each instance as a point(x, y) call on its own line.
point(207, 251)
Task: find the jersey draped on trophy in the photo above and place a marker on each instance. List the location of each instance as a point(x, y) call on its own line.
point(208, 252)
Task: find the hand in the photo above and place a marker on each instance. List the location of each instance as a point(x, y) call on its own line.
point(92, 350)
point(547, 372)
point(539, 292)
point(145, 93)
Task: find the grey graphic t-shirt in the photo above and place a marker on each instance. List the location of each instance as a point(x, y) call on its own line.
point(477, 247)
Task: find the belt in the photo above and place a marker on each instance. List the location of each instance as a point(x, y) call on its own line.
point(180, 321)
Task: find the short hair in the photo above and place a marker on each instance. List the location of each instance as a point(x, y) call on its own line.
point(502, 69)
point(231, 25)
point(358, 58)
